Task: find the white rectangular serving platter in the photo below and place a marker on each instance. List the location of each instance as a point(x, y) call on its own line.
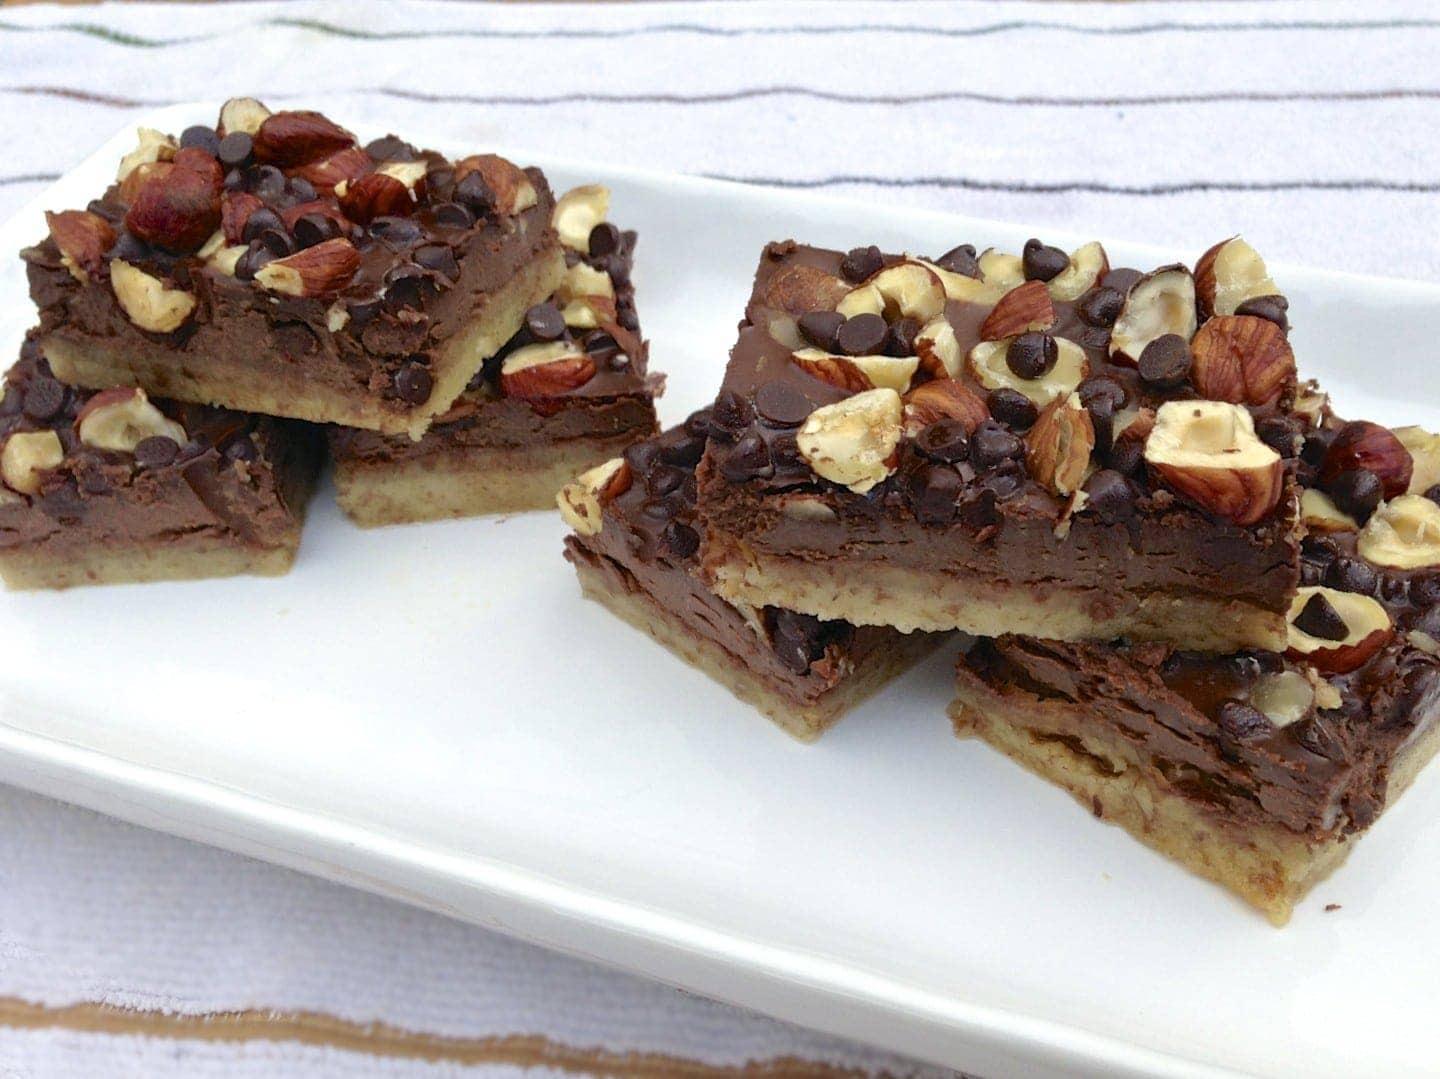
point(432, 713)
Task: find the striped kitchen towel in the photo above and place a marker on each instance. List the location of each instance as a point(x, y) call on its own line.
point(1310, 127)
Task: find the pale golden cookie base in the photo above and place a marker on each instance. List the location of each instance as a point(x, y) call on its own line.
point(164, 372)
point(189, 559)
point(1268, 866)
point(868, 593)
point(468, 482)
point(805, 722)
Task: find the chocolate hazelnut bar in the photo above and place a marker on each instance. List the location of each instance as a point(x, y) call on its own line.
point(1255, 769)
point(110, 486)
point(568, 391)
point(634, 545)
point(1035, 443)
point(274, 265)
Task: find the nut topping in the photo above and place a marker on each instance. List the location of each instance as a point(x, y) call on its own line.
point(1404, 533)
point(1424, 450)
point(580, 209)
point(1365, 445)
point(298, 137)
point(1336, 631)
point(374, 195)
point(987, 363)
point(511, 188)
point(799, 289)
point(1000, 270)
point(905, 290)
point(1058, 447)
point(154, 146)
point(1241, 359)
point(120, 419)
point(1284, 697)
point(584, 280)
point(147, 301)
point(180, 208)
point(852, 442)
point(1088, 264)
point(939, 349)
point(1020, 310)
point(581, 502)
point(83, 238)
point(1208, 452)
point(943, 399)
point(411, 174)
point(858, 373)
point(958, 286)
point(1228, 274)
point(1159, 303)
point(26, 455)
point(316, 271)
point(342, 167)
point(545, 370)
point(1322, 516)
point(241, 114)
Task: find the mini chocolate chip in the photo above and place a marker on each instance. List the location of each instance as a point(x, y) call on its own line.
point(796, 639)
point(408, 285)
point(1317, 735)
point(1032, 354)
point(979, 510)
point(201, 137)
point(12, 402)
point(1101, 306)
point(396, 233)
point(681, 448)
point(1395, 590)
point(861, 335)
point(452, 215)
point(781, 403)
point(617, 266)
point(1111, 496)
point(129, 247)
point(234, 181)
point(682, 540)
point(1005, 479)
point(1165, 362)
point(1242, 722)
point(960, 260)
point(262, 220)
point(277, 242)
point(1425, 591)
point(944, 440)
point(265, 182)
point(1272, 308)
point(234, 149)
point(990, 444)
point(157, 451)
point(1433, 493)
point(641, 456)
point(663, 479)
point(1281, 434)
point(315, 228)
point(1012, 408)
point(391, 148)
point(698, 423)
point(1319, 619)
point(627, 318)
point(1357, 492)
point(935, 494)
point(363, 311)
point(659, 509)
point(475, 193)
point(1351, 575)
point(300, 189)
point(1102, 393)
point(1041, 262)
point(860, 263)
point(1317, 445)
point(44, 399)
point(438, 257)
point(900, 340)
point(748, 459)
point(785, 453)
point(1126, 456)
point(820, 328)
point(413, 383)
point(546, 323)
point(240, 448)
point(604, 239)
point(731, 415)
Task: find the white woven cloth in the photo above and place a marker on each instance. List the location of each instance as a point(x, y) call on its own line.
point(1310, 127)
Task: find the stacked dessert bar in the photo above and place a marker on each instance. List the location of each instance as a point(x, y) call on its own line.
point(1188, 593)
point(470, 341)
